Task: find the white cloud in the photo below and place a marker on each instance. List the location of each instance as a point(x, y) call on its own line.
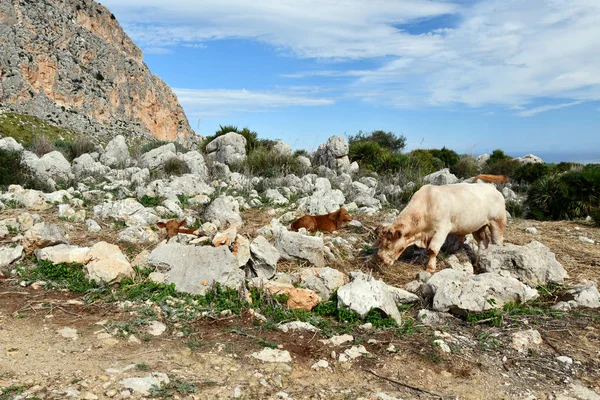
point(205, 103)
point(541, 109)
point(501, 52)
point(504, 52)
point(308, 28)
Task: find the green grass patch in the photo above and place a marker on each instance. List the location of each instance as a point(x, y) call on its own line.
point(174, 388)
point(25, 128)
point(69, 276)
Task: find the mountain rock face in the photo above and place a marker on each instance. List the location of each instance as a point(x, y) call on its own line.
point(70, 62)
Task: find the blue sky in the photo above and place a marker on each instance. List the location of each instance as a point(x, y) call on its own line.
point(474, 76)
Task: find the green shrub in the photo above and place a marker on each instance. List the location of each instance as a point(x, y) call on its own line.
point(466, 167)
point(175, 166)
point(301, 152)
point(448, 158)
point(83, 145)
point(569, 195)
point(385, 140)
point(505, 167)
point(497, 156)
point(595, 214)
point(41, 145)
point(152, 145)
point(11, 171)
point(367, 154)
point(269, 163)
point(531, 172)
point(515, 208)
point(567, 166)
point(423, 161)
point(66, 148)
point(148, 201)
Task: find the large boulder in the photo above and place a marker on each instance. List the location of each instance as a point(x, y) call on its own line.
point(156, 158)
point(229, 148)
point(296, 246)
point(64, 253)
point(365, 293)
point(196, 164)
point(530, 159)
point(51, 168)
point(584, 295)
point(138, 235)
point(85, 166)
point(188, 185)
point(460, 292)
point(42, 235)
point(128, 211)
point(29, 198)
point(225, 211)
point(116, 154)
point(334, 154)
point(194, 269)
point(10, 254)
point(324, 281)
point(533, 264)
point(263, 258)
point(10, 144)
point(108, 264)
point(442, 177)
point(323, 200)
point(282, 148)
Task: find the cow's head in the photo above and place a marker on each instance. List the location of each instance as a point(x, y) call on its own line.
point(392, 241)
point(172, 226)
point(342, 216)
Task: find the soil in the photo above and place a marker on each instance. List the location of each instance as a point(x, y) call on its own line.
point(213, 359)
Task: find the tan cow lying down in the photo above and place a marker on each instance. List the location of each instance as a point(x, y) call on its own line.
point(327, 222)
point(436, 211)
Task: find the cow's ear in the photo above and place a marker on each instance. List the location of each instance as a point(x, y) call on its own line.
point(183, 223)
point(161, 224)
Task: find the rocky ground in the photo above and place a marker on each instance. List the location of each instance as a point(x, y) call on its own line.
point(94, 303)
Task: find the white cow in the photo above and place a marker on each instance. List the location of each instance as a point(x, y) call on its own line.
point(436, 211)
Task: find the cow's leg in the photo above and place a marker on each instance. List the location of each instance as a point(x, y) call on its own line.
point(497, 228)
point(433, 249)
point(481, 237)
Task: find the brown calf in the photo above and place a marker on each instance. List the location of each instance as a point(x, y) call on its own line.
point(174, 227)
point(327, 222)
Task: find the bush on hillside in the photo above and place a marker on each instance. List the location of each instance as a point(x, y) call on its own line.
point(595, 214)
point(529, 173)
point(386, 140)
point(269, 164)
point(41, 145)
point(66, 148)
point(175, 166)
point(497, 156)
point(449, 158)
point(466, 167)
point(11, 171)
point(505, 167)
point(570, 195)
point(83, 145)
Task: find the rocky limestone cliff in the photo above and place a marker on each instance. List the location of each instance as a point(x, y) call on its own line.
point(70, 62)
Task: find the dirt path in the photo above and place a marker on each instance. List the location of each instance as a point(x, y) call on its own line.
point(214, 360)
